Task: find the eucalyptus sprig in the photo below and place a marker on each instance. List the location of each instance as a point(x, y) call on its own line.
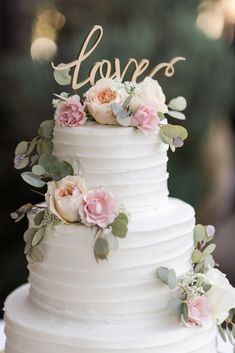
point(173, 135)
point(37, 154)
point(33, 236)
point(227, 328)
point(202, 258)
point(107, 239)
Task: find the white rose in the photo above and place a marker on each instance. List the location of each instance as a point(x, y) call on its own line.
point(98, 100)
point(63, 198)
point(221, 295)
point(151, 95)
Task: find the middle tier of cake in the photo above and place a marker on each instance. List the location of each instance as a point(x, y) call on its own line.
point(122, 160)
point(125, 287)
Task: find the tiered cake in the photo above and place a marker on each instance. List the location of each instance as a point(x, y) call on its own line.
point(117, 301)
point(73, 304)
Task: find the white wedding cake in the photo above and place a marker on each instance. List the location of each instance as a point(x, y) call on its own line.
point(110, 257)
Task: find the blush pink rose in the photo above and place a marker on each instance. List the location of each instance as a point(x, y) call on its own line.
point(146, 120)
point(199, 311)
point(98, 208)
point(70, 112)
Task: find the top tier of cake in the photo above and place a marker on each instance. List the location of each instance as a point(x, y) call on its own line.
point(123, 160)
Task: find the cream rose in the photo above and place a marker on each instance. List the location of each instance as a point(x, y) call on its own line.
point(150, 95)
point(221, 295)
point(98, 100)
point(64, 197)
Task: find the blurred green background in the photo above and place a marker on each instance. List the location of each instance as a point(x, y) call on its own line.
point(202, 173)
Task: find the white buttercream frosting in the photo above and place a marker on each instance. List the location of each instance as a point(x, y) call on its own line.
point(125, 287)
point(73, 304)
point(32, 329)
point(123, 160)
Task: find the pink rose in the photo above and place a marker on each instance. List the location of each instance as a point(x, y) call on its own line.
point(198, 310)
point(98, 208)
point(146, 120)
point(70, 112)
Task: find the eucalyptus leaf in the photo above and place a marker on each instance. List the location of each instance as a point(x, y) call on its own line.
point(62, 77)
point(230, 335)
point(182, 132)
point(38, 218)
point(122, 217)
point(119, 228)
point(165, 139)
point(122, 116)
point(33, 179)
point(45, 146)
point(206, 287)
point(179, 103)
point(38, 169)
point(116, 108)
point(21, 148)
point(185, 312)
point(35, 255)
point(199, 233)
point(162, 273)
point(233, 331)
point(209, 261)
point(46, 129)
point(29, 234)
point(27, 248)
point(172, 279)
point(196, 256)
point(170, 130)
point(161, 116)
point(101, 249)
point(21, 162)
point(60, 169)
point(199, 267)
point(38, 236)
point(175, 306)
point(176, 115)
point(127, 101)
point(32, 145)
point(210, 230)
point(112, 241)
point(222, 333)
point(178, 142)
point(46, 160)
point(209, 249)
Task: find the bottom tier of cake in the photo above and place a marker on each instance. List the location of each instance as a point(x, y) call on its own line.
point(31, 329)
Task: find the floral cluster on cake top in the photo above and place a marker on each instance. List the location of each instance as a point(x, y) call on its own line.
point(111, 102)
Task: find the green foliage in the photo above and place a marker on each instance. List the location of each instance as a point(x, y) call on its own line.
point(21, 212)
point(101, 249)
point(60, 169)
point(33, 179)
point(38, 154)
point(173, 135)
point(202, 257)
point(167, 276)
point(62, 77)
point(175, 306)
point(46, 129)
point(120, 225)
point(121, 114)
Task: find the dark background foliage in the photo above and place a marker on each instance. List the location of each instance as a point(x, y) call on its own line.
point(158, 30)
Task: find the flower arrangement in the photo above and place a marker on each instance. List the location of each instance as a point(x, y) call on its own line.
point(68, 201)
point(111, 102)
point(204, 292)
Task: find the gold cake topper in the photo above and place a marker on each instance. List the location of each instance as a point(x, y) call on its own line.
point(103, 68)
